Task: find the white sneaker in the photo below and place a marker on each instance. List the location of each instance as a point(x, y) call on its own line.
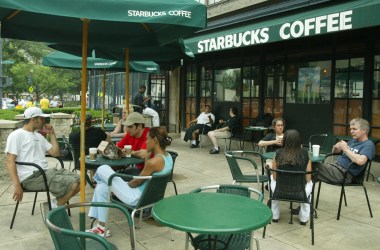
point(53, 203)
point(99, 230)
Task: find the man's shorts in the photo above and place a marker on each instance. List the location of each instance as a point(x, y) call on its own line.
point(59, 181)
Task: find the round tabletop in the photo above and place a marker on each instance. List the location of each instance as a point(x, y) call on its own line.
point(253, 128)
point(124, 161)
point(212, 213)
point(319, 158)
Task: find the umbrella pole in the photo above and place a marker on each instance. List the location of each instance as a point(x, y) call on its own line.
point(103, 96)
point(127, 79)
point(82, 124)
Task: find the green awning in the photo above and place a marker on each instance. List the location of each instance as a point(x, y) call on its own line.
point(64, 60)
point(341, 17)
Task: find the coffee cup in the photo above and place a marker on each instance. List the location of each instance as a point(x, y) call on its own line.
point(315, 150)
point(93, 152)
point(280, 137)
point(128, 150)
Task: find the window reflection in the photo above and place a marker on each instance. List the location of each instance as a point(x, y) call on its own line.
point(309, 83)
point(227, 83)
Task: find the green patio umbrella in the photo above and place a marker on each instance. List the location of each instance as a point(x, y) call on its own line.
point(168, 52)
point(64, 60)
point(68, 61)
point(164, 54)
point(122, 23)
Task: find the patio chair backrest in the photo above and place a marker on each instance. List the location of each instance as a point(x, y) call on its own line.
point(232, 160)
point(232, 189)
point(154, 190)
point(290, 183)
point(59, 218)
point(174, 156)
point(65, 237)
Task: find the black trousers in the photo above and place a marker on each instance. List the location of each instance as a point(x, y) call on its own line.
point(189, 131)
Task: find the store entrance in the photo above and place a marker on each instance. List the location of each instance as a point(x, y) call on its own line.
point(309, 119)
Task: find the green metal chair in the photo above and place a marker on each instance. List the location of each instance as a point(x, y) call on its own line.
point(174, 156)
point(237, 174)
point(75, 157)
point(154, 191)
point(357, 181)
point(45, 190)
point(290, 186)
point(236, 241)
point(65, 237)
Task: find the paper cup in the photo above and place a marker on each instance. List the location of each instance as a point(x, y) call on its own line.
point(93, 152)
point(315, 150)
point(128, 150)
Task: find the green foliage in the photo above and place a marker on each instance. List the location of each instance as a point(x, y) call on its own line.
point(230, 79)
point(9, 114)
point(27, 57)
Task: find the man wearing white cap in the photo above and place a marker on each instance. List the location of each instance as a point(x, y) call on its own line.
point(27, 145)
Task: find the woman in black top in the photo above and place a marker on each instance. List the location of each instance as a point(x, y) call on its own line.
point(292, 153)
point(273, 141)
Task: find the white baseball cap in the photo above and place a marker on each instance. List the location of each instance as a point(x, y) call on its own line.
point(34, 112)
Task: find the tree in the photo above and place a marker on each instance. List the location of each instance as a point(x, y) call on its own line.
point(27, 57)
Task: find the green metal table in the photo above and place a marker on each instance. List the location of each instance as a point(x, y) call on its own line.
point(319, 158)
point(101, 160)
point(108, 127)
point(122, 162)
point(251, 129)
point(212, 213)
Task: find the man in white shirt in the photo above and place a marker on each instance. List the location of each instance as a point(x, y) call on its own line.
point(27, 145)
point(153, 114)
point(203, 125)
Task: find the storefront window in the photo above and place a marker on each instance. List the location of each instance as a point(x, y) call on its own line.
point(157, 92)
point(376, 78)
point(274, 90)
point(227, 85)
point(349, 88)
point(250, 101)
point(349, 78)
point(206, 86)
point(191, 93)
point(375, 122)
point(309, 83)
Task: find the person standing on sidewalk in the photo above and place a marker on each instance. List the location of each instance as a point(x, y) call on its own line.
point(27, 145)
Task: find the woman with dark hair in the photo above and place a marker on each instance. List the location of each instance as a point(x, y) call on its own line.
point(130, 192)
point(292, 153)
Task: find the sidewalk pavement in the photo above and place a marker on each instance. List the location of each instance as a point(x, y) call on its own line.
point(195, 168)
